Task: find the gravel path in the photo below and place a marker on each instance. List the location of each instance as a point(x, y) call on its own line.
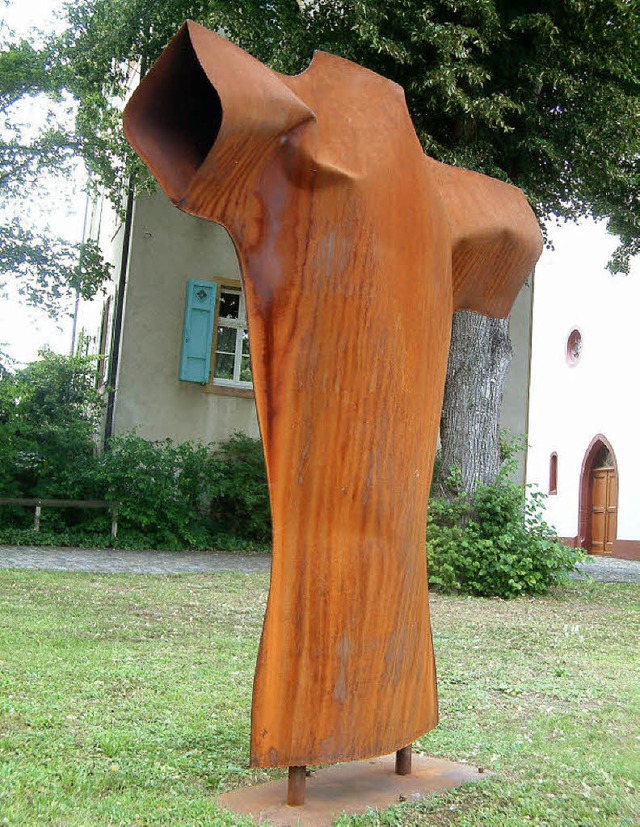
point(113, 561)
point(110, 561)
point(610, 570)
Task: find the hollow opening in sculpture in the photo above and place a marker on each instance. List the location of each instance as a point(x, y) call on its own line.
point(177, 117)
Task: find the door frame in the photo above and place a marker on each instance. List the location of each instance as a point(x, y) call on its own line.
point(588, 463)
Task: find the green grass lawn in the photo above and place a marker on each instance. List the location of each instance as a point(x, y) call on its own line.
point(124, 700)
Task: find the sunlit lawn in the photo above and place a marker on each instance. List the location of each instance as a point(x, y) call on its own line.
point(124, 700)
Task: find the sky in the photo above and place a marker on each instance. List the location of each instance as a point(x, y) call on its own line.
point(21, 15)
point(24, 330)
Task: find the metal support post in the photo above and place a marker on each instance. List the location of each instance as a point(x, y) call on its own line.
point(403, 761)
point(295, 791)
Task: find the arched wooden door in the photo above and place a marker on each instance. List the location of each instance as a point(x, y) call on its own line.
point(604, 509)
point(599, 498)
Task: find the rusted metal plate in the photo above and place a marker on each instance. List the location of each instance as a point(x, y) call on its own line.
point(355, 249)
point(349, 788)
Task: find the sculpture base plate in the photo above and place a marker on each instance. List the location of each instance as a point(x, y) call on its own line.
point(350, 788)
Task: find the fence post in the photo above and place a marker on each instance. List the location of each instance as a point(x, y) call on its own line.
point(114, 522)
point(36, 518)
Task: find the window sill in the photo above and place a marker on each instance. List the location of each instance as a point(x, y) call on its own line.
point(225, 390)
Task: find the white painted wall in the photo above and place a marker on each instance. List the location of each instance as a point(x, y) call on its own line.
point(569, 406)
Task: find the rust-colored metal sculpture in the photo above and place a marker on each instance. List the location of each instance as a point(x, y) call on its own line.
point(355, 250)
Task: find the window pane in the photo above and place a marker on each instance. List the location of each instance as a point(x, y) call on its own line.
point(245, 370)
point(226, 341)
point(229, 304)
point(224, 366)
point(245, 343)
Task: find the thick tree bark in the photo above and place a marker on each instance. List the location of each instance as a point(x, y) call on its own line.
point(479, 359)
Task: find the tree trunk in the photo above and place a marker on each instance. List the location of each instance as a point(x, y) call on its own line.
point(479, 359)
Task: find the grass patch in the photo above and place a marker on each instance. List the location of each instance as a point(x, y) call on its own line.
point(125, 699)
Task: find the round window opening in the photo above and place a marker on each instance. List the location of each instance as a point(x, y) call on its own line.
point(574, 347)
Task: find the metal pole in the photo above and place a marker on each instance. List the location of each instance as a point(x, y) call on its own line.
point(295, 790)
point(114, 351)
point(403, 761)
point(74, 330)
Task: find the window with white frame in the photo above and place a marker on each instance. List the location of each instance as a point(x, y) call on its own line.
point(231, 363)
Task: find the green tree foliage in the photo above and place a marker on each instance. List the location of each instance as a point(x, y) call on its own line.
point(543, 94)
point(47, 269)
point(49, 412)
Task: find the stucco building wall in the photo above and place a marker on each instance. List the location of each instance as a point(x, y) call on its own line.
point(167, 249)
point(515, 400)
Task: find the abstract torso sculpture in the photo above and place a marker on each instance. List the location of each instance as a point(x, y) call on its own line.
point(355, 249)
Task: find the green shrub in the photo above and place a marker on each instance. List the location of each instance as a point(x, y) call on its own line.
point(495, 543)
point(239, 492)
point(49, 412)
point(174, 496)
point(188, 495)
point(163, 490)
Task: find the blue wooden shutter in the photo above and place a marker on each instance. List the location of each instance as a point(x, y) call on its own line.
point(197, 335)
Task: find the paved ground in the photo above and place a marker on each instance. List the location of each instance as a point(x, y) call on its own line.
point(105, 561)
point(610, 570)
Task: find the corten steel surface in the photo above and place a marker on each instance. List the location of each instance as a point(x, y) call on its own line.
point(355, 248)
point(403, 761)
point(349, 788)
point(296, 786)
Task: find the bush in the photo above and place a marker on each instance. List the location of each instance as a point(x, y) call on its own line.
point(188, 495)
point(495, 543)
point(163, 491)
point(49, 412)
point(239, 491)
point(174, 496)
